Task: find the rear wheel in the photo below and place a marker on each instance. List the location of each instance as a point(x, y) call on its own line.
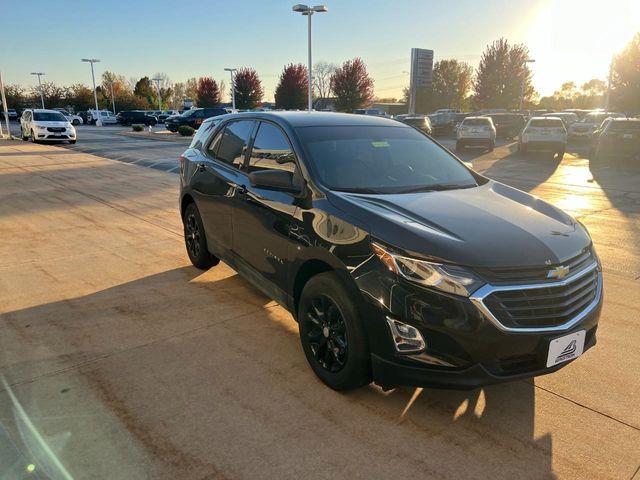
point(75, 122)
point(195, 240)
point(331, 333)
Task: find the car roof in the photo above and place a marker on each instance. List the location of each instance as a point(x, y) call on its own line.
point(550, 117)
point(317, 119)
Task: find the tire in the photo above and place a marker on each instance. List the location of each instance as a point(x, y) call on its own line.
point(33, 137)
point(491, 146)
point(75, 122)
point(72, 142)
point(195, 241)
point(459, 146)
point(331, 334)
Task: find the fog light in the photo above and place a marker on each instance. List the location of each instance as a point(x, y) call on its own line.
point(407, 339)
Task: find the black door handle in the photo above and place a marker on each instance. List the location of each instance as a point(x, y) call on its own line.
point(202, 167)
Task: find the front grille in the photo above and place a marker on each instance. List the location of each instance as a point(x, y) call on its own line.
point(515, 275)
point(56, 129)
point(545, 306)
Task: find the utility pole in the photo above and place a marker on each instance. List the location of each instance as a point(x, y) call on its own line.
point(5, 107)
point(233, 86)
point(95, 95)
point(524, 80)
point(158, 80)
point(39, 74)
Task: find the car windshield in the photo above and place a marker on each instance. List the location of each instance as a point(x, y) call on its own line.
point(475, 122)
point(381, 159)
point(546, 122)
point(593, 118)
point(629, 126)
point(49, 117)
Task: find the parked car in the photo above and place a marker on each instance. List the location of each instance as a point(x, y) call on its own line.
point(584, 128)
point(11, 113)
point(72, 118)
point(41, 125)
point(400, 264)
point(192, 118)
point(474, 132)
point(568, 118)
point(166, 114)
point(420, 122)
point(371, 111)
point(443, 123)
point(544, 134)
point(508, 125)
point(617, 137)
point(132, 117)
point(106, 117)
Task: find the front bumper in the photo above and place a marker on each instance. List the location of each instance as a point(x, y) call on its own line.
point(465, 348)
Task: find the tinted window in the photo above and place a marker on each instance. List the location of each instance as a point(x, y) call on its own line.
point(381, 159)
point(271, 150)
point(627, 127)
point(483, 122)
point(49, 117)
point(547, 122)
point(233, 144)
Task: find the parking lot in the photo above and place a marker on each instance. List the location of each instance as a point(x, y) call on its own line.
point(118, 356)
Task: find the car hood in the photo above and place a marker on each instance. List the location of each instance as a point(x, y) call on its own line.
point(493, 225)
point(51, 124)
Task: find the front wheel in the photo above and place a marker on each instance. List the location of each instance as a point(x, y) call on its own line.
point(75, 122)
point(332, 335)
point(195, 240)
point(33, 137)
point(72, 142)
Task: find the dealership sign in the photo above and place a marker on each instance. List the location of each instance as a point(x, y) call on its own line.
point(421, 73)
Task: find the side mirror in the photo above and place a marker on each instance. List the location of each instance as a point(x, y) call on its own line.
point(281, 180)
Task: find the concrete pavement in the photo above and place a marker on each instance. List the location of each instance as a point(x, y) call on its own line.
point(120, 360)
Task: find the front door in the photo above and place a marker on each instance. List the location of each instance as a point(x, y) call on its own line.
point(262, 218)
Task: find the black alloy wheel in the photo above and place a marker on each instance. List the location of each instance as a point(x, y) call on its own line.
point(327, 334)
point(195, 240)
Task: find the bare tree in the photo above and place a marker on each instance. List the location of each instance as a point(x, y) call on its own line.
point(321, 78)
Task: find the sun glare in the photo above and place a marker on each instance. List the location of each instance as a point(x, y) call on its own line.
point(578, 37)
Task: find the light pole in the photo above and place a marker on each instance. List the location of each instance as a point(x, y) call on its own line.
point(113, 98)
point(309, 11)
point(39, 74)
point(608, 97)
point(233, 86)
point(158, 80)
point(95, 95)
point(524, 79)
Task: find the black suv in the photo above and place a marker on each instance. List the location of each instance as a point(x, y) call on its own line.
point(508, 125)
point(192, 118)
point(400, 264)
point(136, 117)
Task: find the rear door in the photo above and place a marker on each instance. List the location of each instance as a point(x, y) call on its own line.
point(262, 218)
point(216, 181)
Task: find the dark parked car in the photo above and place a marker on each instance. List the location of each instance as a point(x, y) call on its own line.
point(617, 138)
point(421, 122)
point(136, 117)
point(508, 125)
point(192, 118)
point(400, 264)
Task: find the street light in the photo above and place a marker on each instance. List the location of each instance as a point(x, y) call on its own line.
point(524, 79)
point(95, 95)
point(233, 86)
point(158, 80)
point(113, 98)
point(309, 11)
point(39, 74)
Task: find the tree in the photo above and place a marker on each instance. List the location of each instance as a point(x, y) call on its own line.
point(81, 97)
point(500, 75)
point(208, 93)
point(452, 81)
point(248, 89)
point(15, 95)
point(54, 96)
point(625, 78)
point(191, 88)
point(293, 89)
point(144, 89)
point(590, 95)
point(352, 86)
point(321, 79)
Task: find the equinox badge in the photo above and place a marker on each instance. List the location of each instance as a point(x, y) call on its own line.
point(559, 272)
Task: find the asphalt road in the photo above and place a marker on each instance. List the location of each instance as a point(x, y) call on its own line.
point(120, 360)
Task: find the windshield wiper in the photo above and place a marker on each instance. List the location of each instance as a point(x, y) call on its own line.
point(358, 190)
point(437, 187)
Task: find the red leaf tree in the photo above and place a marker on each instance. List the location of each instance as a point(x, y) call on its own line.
point(352, 86)
point(248, 88)
point(293, 88)
point(207, 92)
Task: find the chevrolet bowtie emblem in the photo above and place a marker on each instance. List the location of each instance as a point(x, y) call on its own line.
point(559, 272)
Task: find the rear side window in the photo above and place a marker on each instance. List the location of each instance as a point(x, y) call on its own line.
point(234, 141)
point(547, 122)
point(271, 150)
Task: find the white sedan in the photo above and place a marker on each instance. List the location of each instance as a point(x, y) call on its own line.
point(40, 125)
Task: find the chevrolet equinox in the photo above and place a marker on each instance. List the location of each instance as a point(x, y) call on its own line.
point(400, 264)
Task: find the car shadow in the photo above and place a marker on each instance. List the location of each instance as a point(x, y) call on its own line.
point(149, 350)
point(525, 172)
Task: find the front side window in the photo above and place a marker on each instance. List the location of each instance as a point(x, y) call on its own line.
point(234, 142)
point(271, 150)
point(381, 159)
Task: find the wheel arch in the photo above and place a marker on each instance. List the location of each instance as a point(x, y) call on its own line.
point(186, 200)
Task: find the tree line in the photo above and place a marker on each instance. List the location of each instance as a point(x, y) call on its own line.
point(502, 76)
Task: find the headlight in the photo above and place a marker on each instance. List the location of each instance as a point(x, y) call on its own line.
point(447, 278)
point(41, 127)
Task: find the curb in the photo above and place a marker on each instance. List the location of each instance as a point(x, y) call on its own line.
point(151, 136)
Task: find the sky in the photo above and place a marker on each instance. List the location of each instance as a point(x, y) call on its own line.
point(570, 40)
